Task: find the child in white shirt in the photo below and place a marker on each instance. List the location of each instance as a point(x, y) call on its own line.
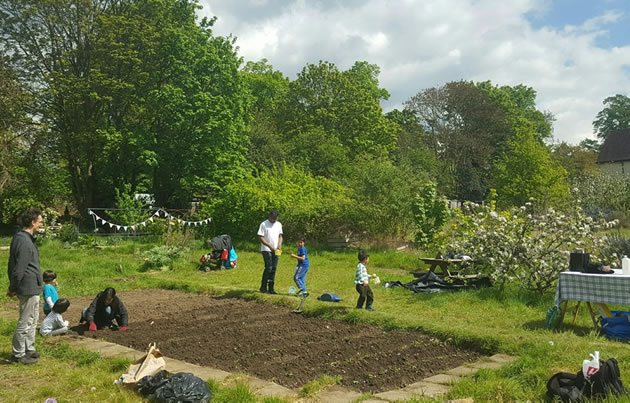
point(53, 324)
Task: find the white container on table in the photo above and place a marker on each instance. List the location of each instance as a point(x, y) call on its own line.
point(625, 265)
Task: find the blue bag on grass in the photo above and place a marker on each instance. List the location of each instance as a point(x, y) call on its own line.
point(617, 327)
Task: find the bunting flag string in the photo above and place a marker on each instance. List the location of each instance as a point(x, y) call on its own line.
point(159, 213)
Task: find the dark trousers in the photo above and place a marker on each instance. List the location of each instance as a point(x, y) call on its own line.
point(269, 275)
point(365, 293)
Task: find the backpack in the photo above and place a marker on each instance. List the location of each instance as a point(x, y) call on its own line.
point(617, 327)
point(575, 388)
point(605, 381)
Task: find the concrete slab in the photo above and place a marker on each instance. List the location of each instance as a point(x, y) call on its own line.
point(444, 379)
point(486, 365)
point(462, 370)
point(373, 400)
point(339, 394)
point(274, 390)
point(394, 395)
point(427, 389)
point(503, 358)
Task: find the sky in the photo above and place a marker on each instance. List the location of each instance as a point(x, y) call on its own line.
point(574, 53)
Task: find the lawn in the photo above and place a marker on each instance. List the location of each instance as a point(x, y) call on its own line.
point(508, 322)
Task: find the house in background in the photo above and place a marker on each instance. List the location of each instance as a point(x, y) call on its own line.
point(614, 153)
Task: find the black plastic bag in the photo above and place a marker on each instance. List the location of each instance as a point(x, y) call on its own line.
point(181, 387)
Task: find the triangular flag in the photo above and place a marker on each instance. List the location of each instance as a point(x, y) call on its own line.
point(117, 227)
point(144, 223)
point(111, 225)
point(90, 212)
point(133, 227)
point(151, 219)
point(125, 228)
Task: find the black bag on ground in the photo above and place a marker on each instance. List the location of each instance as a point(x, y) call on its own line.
point(181, 387)
point(575, 388)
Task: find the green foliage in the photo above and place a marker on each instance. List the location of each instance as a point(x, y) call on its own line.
point(344, 104)
point(383, 195)
point(155, 100)
point(128, 211)
point(68, 233)
point(308, 205)
point(526, 171)
point(430, 213)
point(615, 115)
point(162, 257)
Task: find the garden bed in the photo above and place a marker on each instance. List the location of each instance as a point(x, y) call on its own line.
point(270, 342)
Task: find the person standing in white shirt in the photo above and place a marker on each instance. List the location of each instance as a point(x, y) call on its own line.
point(270, 234)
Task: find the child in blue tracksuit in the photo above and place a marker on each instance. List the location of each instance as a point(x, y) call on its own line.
point(302, 267)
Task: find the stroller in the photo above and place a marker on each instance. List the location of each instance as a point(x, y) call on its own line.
point(223, 254)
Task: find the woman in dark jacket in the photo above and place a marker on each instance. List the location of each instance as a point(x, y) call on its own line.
point(105, 308)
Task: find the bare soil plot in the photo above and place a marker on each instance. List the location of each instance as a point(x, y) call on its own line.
point(271, 343)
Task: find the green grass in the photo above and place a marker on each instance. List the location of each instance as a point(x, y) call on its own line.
point(510, 322)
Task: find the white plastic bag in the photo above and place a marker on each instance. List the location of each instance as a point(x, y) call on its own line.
point(590, 367)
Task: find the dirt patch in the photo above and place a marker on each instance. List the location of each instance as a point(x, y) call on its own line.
point(272, 343)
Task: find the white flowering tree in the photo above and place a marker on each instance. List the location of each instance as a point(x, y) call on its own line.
point(519, 246)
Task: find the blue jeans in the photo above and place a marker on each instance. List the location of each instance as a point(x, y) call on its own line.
point(269, 274)
point(300, 277)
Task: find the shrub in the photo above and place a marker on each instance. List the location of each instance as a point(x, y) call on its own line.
point(519, 246)
point(68, 233)
point(162, 257)
point(430, 213)
point(308, 205)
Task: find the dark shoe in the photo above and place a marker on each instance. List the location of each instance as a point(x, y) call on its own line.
point(359, 307)
point(32, 354)
point(272, 292)
point(24, 360)
point(369, 308)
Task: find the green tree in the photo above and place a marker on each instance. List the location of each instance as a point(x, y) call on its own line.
point(519, 106)
point(344, 104)
point(268, 89)
point(465, 129)
point(575, 159)
point(615, 115)
point(133, 92)
point(526, 171)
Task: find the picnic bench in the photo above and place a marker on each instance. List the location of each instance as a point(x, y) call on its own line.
point(443, 264)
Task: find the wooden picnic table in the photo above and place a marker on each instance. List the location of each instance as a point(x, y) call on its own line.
point(442, 263)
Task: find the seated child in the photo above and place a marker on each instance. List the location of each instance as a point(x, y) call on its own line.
point(104, 310)
point(53, 324)
point(50, 290)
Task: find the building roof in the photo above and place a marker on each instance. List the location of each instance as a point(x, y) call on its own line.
point(616, 147)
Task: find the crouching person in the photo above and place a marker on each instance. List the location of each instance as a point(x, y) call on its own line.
point(106, 309)
point(53, 324)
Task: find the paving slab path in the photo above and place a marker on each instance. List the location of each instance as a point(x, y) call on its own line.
point(434, 386)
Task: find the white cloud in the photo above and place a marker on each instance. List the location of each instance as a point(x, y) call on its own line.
point(422, 44)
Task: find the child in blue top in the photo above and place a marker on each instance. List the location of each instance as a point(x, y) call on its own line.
point(302, 267)
point(50, 290)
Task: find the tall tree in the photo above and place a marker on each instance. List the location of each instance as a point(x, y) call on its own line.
point(343, 104)
point(465, 128)
point(615, 115)
point(134, 92)
point(268, 87)
point(519, 105)
point(526, 170)
point(576, 159)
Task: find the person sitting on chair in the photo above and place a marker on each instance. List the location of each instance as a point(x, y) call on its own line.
point(104, 310)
